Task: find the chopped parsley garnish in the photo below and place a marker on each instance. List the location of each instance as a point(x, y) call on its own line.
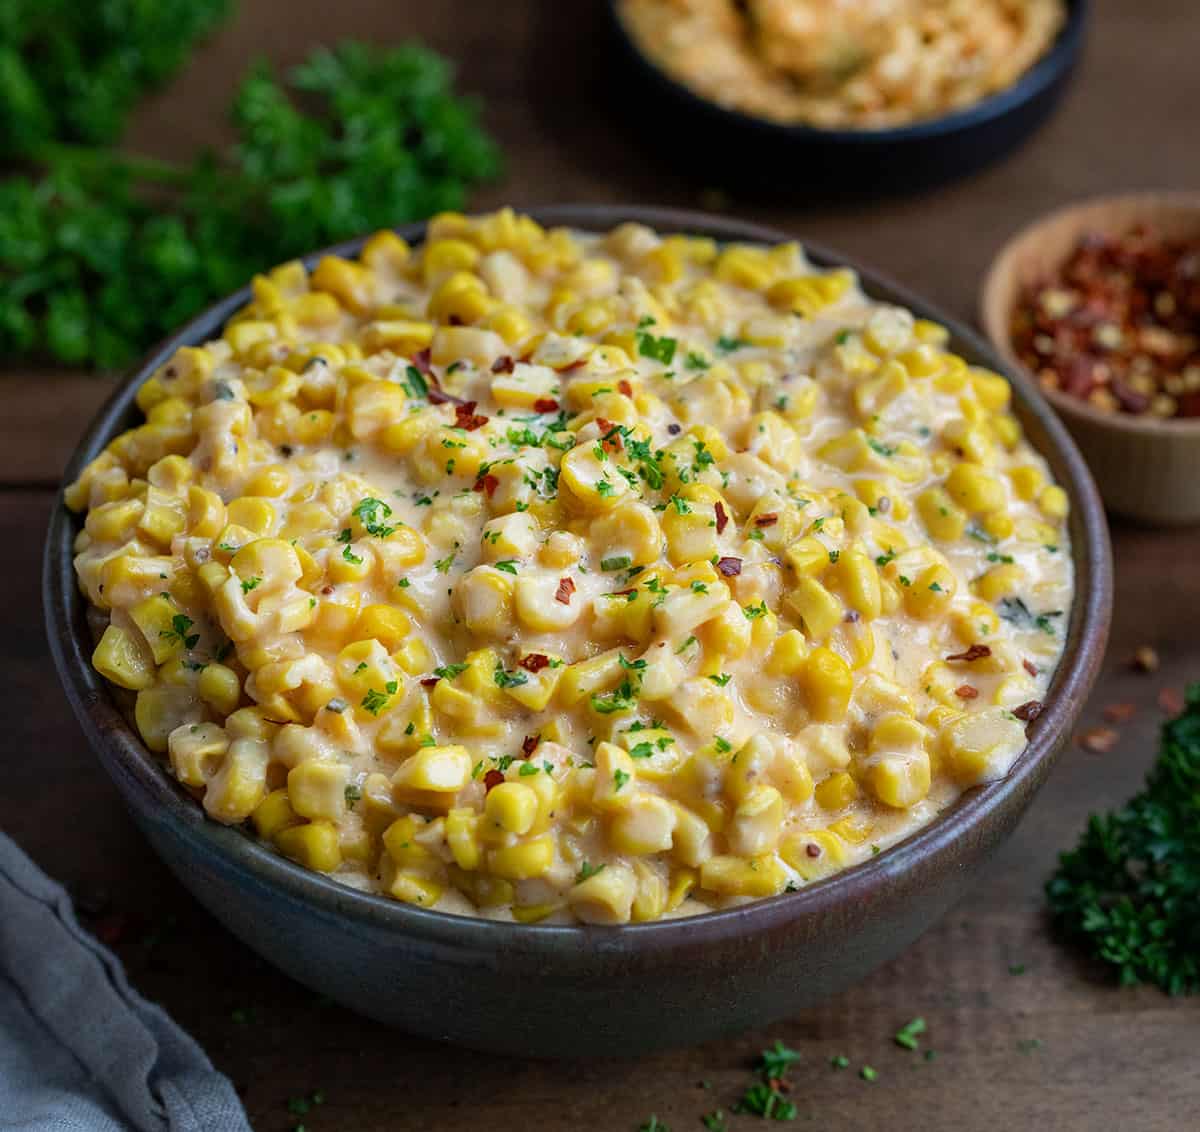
point(882, 560)
point(761, 1099)
point(506, 679)
point(353, 794)
point(368, 512)
point(699, 587)
point(714, 1121)
point(656, 349)
point(773, 1063)
point(695, 361)
point(604, 489)
point(374, 701)
point(682, 506)
point(449, 671)
point(1007, 559)
point(753, 612)
point(840, 1061)
point(908, 1034)
point(508, 565)
point(842, 337)
point(686, 645)
point(249, 584)
point(620, 777)
point(868, 1073)
point(623, 699)
point(616, 562)
point(415, 384)
point(442, 565)
point(587, 870)
point(1129, 893)
point(350, 556)
point(180, 630)
point(722, 679)
point(527, 770)
point(722, 744)
point(728, 345)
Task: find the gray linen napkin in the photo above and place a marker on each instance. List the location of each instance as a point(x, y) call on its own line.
point(80, 1049)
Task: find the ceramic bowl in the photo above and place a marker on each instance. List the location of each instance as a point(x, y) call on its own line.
point(555, 990)
point(1146, 468)
point(728, 145)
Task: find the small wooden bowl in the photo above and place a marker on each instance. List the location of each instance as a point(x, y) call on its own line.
point(1146, 468)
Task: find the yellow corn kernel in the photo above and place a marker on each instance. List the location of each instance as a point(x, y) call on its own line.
point(827, 683)
point(593, 485)
point(974, 489)
point(432, 770)
point(819, 609)
point(605, 897)
point(348, 282)
point(813, 853)
point(942, 517)
point(273, 814)
point(756, 823)
point(682, 883)
point(235, 791)
point(808, 556)
point(898, 771)
point(930, 592)
point(733, 876)
point(859, 581)
point(413, 887)
point(1028, 481)
point(318, 789)
point(788, 655)
point(981, 746)
point(991, 390)
point(462, 836)
point(385, 624)
point(196, 751)
point(837, 791)
point(315, 845)
point(644, 826)
point(1000, 582)
point(523, 861)
point(1054, 502)
point(512, 807)
point(124, 659)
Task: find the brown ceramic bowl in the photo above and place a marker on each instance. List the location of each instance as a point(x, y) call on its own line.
point(576, 990)
point(1146, 468)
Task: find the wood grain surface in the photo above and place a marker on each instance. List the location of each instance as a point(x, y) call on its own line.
point(1051, 1048)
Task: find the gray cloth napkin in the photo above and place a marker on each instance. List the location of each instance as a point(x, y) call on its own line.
point(80, 1049)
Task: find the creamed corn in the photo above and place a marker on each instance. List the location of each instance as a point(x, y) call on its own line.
point(554, 576)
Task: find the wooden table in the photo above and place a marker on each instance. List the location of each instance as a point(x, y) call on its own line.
point(1050, 1048)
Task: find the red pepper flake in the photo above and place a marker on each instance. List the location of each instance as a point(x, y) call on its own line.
point(566, 587)
point(1029, 711)
point(1098, 740)
point(466, 418)
point(529, 744)
point(534, 661)
point(812, 850)
point(1116, 325)
point(430, 681)
point(722, 517)
point(966, 692)
point(503, 364)
point(767, 519)
point(492, 778)
point(730, 567)
point(1170, 701)
point(421, 362)
point(487, 483)
point(1029, 667)
point(624, 386)
point(975, 652)
point(545, 405)
point(1120, 713)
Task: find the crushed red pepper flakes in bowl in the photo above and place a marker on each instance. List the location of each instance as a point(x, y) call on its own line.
point(1118, 325)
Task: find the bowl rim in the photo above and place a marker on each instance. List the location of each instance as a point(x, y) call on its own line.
point(1033, 82)
point(995, 320)
point(135, 769)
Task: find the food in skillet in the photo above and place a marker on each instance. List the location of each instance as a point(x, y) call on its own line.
point(548, 575)
point(850, 64)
